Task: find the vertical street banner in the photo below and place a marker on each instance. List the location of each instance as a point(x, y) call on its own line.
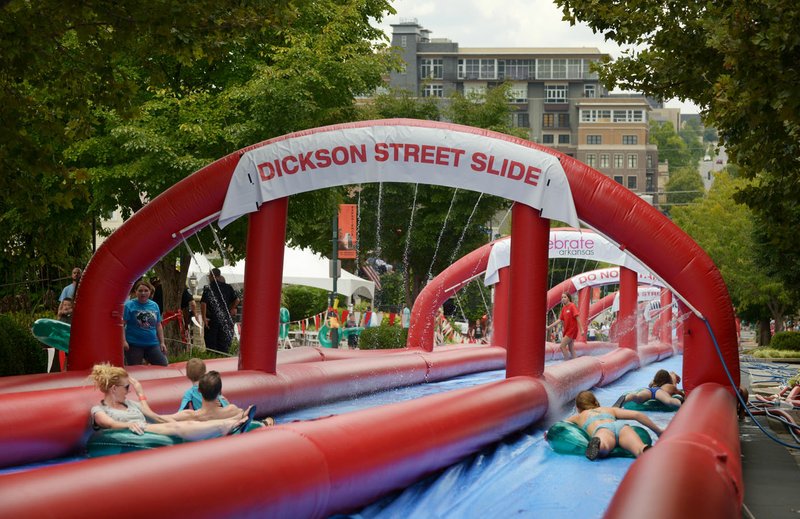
point(348, 226)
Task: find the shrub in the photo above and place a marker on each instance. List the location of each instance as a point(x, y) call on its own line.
point(383, 338)
point(304, 302)
point(20, 352)
point(788, 341)
point(770, 353)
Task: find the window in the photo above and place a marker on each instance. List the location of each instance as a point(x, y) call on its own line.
point(618, 179)
point(595, 116)
point(431, 69)
point(649, 162)
point(631, 181)
point(633, 161)
point(551, 120)
point(518, 93)
point(469, 68)
point(594, 139)
point(519, 69)
point(574, 68)
point(591, 159)
point(548, 68)
point(555, 93)
point(563, 138)
point(404, 41)
point(589, 90)
point(604, 160)
point(520, 120)
point(433, 91)
point(559, 69)
point(547, 138)
point(628, 116)
point(619, 160)
point(630, 139)
point(544, 69)
point(488, 69)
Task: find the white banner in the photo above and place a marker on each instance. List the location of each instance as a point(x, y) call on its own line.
point(610, 276)
point(399, 151)
point(566, 243)
point(645, 294)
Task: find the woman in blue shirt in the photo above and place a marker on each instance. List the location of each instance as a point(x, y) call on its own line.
point(144, 336)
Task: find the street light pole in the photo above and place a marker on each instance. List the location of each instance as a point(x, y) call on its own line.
point(334, 268)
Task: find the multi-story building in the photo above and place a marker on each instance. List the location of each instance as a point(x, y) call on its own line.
point(554, 95)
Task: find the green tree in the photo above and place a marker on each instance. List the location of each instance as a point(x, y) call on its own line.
point(443, 223)
point(684, 187)
point(692, 135)
point(63, 61)
point(736, 61)
point(672, 148)
point(727, 231)
point(316, 65)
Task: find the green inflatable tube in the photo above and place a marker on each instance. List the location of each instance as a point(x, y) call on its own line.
point(568, 438)
point(108, 442)
point(54, 334)
point(324, 336)
point(651, 405)
point(119, 441)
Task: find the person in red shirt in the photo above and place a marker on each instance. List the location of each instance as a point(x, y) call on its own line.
point(572, 326)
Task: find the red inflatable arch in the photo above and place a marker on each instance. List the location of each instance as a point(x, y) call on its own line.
point(315, 468)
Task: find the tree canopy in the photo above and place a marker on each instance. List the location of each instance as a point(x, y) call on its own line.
point(729, 233)
point(106, 105)
point(737, 61)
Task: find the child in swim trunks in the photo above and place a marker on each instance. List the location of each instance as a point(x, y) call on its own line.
point(601, 424)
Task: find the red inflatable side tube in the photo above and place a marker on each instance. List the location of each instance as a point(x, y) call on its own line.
point(695, 468)
point(304, 469)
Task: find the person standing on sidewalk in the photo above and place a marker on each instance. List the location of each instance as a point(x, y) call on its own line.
point(217, 307)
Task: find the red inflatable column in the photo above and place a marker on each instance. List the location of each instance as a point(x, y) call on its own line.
point(500, 315)
point(666, 316)
point(628, 297)
point(263, 275)
point(528, 292)
point(584, 295)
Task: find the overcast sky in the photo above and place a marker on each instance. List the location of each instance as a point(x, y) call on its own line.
point(503, 23)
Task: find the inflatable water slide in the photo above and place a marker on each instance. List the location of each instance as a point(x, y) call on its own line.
point(312, 468)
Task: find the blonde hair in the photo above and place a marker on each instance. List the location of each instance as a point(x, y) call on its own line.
point(586, 400)
point(195, 369)
point(106, 376)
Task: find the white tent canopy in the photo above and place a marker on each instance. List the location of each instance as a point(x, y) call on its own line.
point(300, 267)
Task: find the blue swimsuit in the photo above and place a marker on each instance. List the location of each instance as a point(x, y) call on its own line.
point(614, 426)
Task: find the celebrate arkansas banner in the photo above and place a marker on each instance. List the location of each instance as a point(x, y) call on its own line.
point(566, 243)
point(399, 150)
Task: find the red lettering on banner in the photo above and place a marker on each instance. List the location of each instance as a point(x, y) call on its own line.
point(265, 171)
point(286, 167)
point(421, 154)
point(510, 169)
point(381, 152)
point(323, 157)
point(411, 153)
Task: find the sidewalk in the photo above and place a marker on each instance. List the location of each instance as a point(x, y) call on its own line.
point(771, 471)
